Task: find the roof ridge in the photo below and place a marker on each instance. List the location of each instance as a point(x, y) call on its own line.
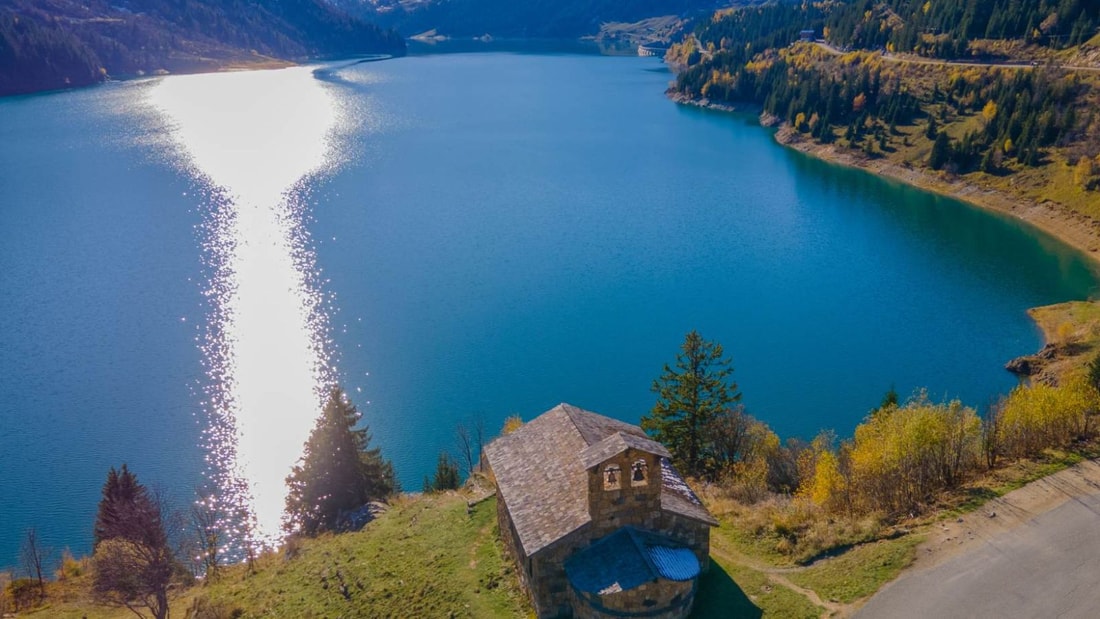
point(568, 410)
point(635, 536)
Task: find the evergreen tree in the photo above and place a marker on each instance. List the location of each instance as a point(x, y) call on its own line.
point(338, 471)
point(127, 511)
point(133, 563)
point(1094, 372)
point(446, 475)
point(941, 151)
point(931, 130)
point(689, 397)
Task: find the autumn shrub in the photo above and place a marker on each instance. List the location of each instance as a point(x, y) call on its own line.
point(70, 567)
point(24, 593)
point(827, 487)
point(795, 528)
point(511, 424)
point(1038, 416)
point(902, 456)
point(745, 482)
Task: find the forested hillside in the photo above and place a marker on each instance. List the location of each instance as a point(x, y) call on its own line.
point(56, 43)
point(1016, 112)
point(517, 18)
point(946, 29)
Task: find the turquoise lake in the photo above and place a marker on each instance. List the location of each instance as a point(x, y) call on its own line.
point(185, 261)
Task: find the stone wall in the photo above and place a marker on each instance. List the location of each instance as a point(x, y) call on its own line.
point(551, 590)
point(631, 504)
point(510, 540)
point(691, 533)
point(662, 599)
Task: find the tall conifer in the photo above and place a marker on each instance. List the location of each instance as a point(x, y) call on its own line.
point(689, 397)
point(338, 471)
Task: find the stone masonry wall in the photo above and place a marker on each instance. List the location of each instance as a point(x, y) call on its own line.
point(663, 599)
point(509, 538)
point(691, 533)
point(631, 505)
point(551, 589)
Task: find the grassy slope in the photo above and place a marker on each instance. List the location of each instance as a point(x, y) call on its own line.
point(428, 557)
point(1073, 330)
point(425, 558)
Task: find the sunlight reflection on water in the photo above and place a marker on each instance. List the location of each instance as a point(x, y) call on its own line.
point(254, 137)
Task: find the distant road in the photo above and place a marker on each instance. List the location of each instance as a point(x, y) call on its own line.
point(1038, 556)
point(933, 61)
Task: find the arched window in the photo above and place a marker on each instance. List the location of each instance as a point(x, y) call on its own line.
point(639, 473)
point(612, 477)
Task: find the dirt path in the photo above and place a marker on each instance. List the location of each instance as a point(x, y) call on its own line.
point(776, 576)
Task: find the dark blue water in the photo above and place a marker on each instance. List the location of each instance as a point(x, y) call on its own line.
point(99, 300)
point(509, 231)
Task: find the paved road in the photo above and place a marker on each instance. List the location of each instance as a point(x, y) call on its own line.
point(1047, 567)
point(910, 59)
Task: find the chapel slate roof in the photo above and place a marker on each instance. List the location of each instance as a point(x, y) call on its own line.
point(541, 475)
point(616, 444)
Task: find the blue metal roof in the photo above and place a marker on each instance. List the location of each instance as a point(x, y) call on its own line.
point(674, 563)
point(627, 559)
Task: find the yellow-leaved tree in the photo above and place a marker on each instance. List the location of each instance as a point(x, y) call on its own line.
point(901, 456)
point(1038, 416)
point(989, 112)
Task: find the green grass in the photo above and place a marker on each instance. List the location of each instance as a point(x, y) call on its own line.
point(425, 558)
point(1016, 476)
point(760, 547)
point(730, 590)
point(859, 572)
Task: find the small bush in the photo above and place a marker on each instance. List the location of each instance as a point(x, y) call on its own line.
point(24, 593)
point(6, 605)
point(511, 424)
point(202, 608)
point(71, 567)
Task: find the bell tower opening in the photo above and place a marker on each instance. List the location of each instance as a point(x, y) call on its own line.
point(639, 473)
point(612, 477)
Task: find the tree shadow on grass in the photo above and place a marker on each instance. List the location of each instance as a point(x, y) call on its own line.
point(720, 598)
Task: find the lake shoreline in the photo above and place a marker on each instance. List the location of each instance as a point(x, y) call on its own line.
point(207, 66)
point(1074, 229)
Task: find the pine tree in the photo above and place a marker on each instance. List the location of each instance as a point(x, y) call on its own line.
point(133, 563)
point(446, 475)
point(941, 151)
point(931, 130)
point(338, 472)
point(689, 397)
point(127, 511)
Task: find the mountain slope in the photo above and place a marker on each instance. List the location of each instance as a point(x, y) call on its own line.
point(57, 43)
point(516, 18)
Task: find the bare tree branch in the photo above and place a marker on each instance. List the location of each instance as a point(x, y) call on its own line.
point(34, 557)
